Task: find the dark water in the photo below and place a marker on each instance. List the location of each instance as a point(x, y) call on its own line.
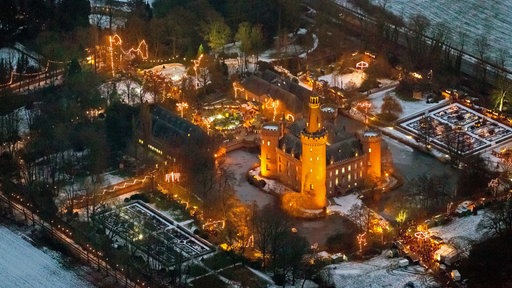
point(408, 162)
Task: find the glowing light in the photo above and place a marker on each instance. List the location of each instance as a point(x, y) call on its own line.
point(182, 106)
point(35, 74)
point(196, 65)
point(141, 50)
point(361, 240)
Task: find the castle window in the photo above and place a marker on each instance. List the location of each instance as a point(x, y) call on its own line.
point(349, 168)
point(361, 163)
point(337, 171)
point(369, 150)
point(311, 187)
point(360, 173)
point(349, 177)
point(355, 166)
point(311, 159)
point(317, 158)
point(343, 170)
point(311, 170)
point(330, 173)
point(262, 142)
point(336, 180)
point(330, 184)
point(268, 143)
point(355, 176)
point(310, 149)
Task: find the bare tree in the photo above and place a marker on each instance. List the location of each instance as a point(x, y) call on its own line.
point(93, 195)
point(482, 47)
point(498, 219)
point(391, 106)
point(359, 214)
point(418, 24)
point(269, 226)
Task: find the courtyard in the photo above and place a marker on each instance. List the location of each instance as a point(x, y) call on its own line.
point(456, 122)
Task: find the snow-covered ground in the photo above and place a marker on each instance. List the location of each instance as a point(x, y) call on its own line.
point(239, 162)
point(345, 81)
point(409, 107)
point(171, 71)
point(128, 90)
point(23, 265)
point(462, 232)
point(343, 204)
point(11, 56)
point(376, 272)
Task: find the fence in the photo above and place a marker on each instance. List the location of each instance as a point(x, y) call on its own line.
point(62, 233)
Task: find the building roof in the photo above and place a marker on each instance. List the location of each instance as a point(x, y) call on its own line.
point(291, 144)
point(345, 149)
point(343, 145)
point(292, 95)
point(169, 126)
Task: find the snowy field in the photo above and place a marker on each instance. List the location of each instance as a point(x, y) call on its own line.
point(23, 265)
point(383, 272)
point(346, 81)
point(11, 56)
point(462, 232)
point(409, 107)
point(376, 272)
point(172, 71)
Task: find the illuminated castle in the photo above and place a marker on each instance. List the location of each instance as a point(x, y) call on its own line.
point(318, 158)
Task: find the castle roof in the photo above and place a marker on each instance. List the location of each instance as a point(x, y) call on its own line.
point(343, 145)
point(167, 125)
point(291, 144)
point(344, 149)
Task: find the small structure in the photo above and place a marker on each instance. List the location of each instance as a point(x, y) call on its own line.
point(447, 254)
point(455, 275)
point(403, 263)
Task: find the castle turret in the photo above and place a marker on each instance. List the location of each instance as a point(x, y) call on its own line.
point(314, 141)
point(269, 143)
point(372, 147)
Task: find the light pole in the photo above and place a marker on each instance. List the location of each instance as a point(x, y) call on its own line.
point(182, 106)
point(196, 65)
point(365, 105)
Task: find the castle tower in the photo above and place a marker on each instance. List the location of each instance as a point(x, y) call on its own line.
point(372, 147)
point(314, 141)
point(269, 143)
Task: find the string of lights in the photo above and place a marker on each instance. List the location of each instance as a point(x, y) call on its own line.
point(34, 74)
point(141, 50)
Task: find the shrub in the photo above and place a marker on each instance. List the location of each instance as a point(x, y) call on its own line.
point(142, 197)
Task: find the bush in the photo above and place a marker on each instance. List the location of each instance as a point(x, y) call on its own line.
point(252, 179)
point(387, 117)
point(343, 241)
point(142, 197)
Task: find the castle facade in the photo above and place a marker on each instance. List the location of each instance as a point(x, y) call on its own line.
point(317, 158)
